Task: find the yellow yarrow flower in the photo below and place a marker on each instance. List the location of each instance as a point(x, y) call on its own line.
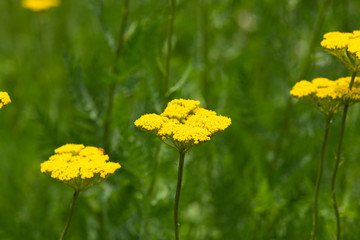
point(150, 122)
point(327, 95)
point(4, 99)
point(336, 40)
point(38, 5)
point(345, 46)
point(303, 89)
point(78, 166)
point(184, 124)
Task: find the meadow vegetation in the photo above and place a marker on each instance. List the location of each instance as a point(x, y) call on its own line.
point(83, 72)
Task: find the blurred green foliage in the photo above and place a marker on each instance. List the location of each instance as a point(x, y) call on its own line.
point(239, 58)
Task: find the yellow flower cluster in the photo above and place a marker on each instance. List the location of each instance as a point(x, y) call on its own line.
point(78, 166)
point(38, 5)
point(4, 99)
point(184, 123)
point(345, 46)
point(336, 40)
point(327, 95)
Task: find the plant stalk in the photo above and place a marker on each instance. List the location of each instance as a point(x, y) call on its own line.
point(177, 195)
point(76, 194)
point(319, 177)
point(337, 163)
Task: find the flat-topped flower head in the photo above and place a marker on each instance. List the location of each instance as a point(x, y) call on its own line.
point(327, 95)
point(184, 124)
point(38, 5)
point(150, 122)
point(335, 40)
point(4, 99)
point(353, 95)
point(78, 166)
point(345, 46)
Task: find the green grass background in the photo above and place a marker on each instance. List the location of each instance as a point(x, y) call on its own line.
point(240, 58)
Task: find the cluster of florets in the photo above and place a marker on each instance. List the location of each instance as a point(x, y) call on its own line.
point(327, 95)
point(184, 124)
point(78, 166)
point(4, 99)
point(345, 46)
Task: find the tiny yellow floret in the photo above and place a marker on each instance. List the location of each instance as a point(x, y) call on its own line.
point(79, 166)
point(38, 5)
point(4, 99)
point(184, 124)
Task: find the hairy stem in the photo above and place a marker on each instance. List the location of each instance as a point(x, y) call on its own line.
point(337, 163)
point(319, 176)
point(112, 87)
point(76, 194)
point(177, 195)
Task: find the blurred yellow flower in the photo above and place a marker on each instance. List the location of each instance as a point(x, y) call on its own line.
point(327, 95)
point(184, 124)
point(78, 166)
point(38, 5)
point(336, 40)
point(354, 46)
point(345, 46)
point(4, 99)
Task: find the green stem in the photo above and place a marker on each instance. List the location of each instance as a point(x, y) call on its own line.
point(112, 87)
point(318, 180)
point(169, 48)
point(177, 196)
point(352, 79)
point(76, 194)
point(337, 163)
point(333, 179)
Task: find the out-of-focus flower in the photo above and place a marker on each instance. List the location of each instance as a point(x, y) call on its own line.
point(345, 46)
point(4, 99)
point(38, 5)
